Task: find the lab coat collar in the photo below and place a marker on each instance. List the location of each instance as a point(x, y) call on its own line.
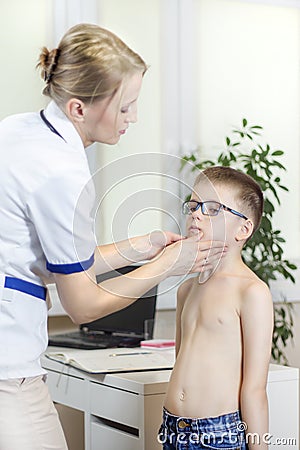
point(63, 125)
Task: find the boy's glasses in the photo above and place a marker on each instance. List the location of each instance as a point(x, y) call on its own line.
point(209, 208)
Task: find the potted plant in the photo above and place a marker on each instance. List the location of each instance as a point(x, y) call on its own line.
point(264, 252)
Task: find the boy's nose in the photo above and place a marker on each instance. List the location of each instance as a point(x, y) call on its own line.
point(197, 215)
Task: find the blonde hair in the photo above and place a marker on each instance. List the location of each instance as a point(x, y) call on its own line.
point(89, 63)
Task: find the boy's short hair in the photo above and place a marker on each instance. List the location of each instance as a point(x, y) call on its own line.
point(248, 193)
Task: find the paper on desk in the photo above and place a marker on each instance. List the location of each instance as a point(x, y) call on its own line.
point(114, 359)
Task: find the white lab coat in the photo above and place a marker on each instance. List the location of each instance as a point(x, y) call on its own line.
point(46, 225)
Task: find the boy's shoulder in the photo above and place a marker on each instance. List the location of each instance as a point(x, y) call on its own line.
point(256, 287)
point(246, 286)
point(243, 280)
point(256, 294)
point(253, 284)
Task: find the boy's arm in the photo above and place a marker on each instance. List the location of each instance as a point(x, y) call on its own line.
point(182, 293)
point(257, 328)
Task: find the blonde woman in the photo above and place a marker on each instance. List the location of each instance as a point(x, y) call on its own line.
point(46, 227)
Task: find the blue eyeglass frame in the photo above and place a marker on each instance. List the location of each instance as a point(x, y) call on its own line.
point(221, 206)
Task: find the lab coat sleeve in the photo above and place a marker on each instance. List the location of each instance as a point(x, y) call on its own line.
point(61, 210)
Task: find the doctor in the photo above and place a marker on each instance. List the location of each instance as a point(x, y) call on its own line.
point(46, 226)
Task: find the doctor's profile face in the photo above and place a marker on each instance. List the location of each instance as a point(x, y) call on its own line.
point(108, 119)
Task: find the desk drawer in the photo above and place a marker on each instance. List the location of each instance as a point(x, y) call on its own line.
point(116, 405)
point(68, 390)
point(103, 437)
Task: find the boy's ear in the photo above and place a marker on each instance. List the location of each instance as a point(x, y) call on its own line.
point(244, 231)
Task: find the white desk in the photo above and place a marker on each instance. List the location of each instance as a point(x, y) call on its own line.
point(123, 411)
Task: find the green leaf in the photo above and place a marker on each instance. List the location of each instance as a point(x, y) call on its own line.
point(278, 164)
point(280, 239)
point(244, 123)
point(268, 207)
point(232, 157)
point(278, 153)
point(291, 266)
point(284, 188)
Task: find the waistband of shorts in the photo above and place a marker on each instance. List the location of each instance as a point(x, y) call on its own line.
point(26, 287)
point(223, 422)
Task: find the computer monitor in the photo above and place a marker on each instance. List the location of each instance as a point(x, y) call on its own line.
point(136, 319)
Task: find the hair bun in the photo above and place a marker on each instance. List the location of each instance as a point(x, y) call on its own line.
point(47, 63)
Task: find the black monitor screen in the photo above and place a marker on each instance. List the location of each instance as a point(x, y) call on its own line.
point(130, 319)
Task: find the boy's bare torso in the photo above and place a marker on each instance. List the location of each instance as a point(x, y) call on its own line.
point(206, 378)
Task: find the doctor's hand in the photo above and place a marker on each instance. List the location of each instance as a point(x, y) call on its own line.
point(156, 241)
point(192, 255)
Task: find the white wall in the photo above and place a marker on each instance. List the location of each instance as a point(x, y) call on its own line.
point(125, 207)
point(23, 27)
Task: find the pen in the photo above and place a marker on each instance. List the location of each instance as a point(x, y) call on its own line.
point(132, 353)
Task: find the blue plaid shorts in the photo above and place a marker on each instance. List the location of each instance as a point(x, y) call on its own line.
point(226, 432)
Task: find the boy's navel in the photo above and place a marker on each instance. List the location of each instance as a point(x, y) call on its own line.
point(182, 396)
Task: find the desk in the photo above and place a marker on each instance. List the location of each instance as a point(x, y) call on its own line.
point(123, 411)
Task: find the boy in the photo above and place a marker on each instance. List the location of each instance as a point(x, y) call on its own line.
point(224, 327)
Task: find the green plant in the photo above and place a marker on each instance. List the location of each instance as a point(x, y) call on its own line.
point(264, 252)
point(283, 330)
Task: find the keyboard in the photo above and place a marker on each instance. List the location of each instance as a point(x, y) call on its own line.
point(92, 341)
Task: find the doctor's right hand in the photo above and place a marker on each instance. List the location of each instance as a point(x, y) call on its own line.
point(192, 255)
